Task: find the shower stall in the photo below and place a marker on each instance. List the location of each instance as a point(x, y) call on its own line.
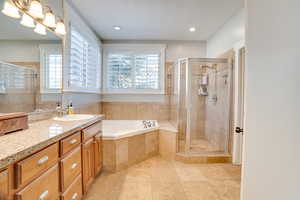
point(200, 104)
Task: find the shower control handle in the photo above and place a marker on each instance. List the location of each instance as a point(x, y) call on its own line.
point(239, 130)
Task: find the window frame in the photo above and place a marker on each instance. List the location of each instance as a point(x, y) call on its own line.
point(138, 49)
point(43, 48)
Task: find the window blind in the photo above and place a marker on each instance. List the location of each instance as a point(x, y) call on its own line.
point(135, 71)
point(84, 72)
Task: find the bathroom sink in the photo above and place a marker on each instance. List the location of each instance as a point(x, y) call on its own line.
point(75, 117)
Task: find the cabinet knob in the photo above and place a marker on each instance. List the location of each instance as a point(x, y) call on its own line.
point(74, 165)
point(43, 195)
point(43, 160)
point(73, 141)
point(75, 195)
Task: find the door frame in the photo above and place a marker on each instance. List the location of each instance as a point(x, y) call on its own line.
point(239, 103)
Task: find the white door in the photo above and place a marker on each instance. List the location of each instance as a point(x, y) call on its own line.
point(239, 106)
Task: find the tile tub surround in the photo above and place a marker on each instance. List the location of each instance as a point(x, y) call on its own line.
point(127, 142)
point(121, 153)
point(160, 179)
point(18, 145)
point(136, 111)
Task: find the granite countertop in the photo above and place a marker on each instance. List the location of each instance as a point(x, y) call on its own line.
point(18, 145)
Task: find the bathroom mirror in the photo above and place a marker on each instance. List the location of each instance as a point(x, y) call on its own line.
point(30, 66)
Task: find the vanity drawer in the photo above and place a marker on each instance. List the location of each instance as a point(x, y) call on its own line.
point(35, 164)
point(70, 168)
point(91, 131)
point(44, 188)
point(74, 192)
point(69, 143)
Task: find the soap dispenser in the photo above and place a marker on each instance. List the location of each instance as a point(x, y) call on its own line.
point(70, 109)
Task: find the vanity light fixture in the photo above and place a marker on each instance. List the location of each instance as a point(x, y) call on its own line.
point(33, 12)
point(27, 21)
point(60, 28)
point(40, 29)
point(36, 9)
point(10, 10)
point(49, 19)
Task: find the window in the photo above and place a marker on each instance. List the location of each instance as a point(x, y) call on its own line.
point(15, 78)
point(134, 69)
point(51, 68)
point(85, 66)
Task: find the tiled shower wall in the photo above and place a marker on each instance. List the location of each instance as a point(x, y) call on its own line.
point(217, 112)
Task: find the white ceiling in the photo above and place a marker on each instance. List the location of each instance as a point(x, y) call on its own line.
point(157, 19)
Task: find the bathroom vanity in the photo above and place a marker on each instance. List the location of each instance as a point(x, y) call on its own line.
point(51, 160)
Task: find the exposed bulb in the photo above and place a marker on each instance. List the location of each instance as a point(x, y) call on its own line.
point(27, 21)
point(36, 9)
point(40, 29)
point(50, 19)
point(10, 10)
point(60, 28)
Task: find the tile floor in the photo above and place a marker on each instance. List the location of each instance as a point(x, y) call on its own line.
point(159, 179)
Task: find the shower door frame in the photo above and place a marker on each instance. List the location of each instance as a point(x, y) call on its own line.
point(188, 97)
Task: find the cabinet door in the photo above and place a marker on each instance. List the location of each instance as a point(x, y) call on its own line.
point(4, 184)
point(98, 154)
point(88, 159)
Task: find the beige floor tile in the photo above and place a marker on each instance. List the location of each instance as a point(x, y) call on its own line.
point(164, 174)
point(167, 191)
point(135, 190)
point(227, 189)
point(160, 179)
point(138, 174)
point(213, 171)
point(201, 190)
point(189, 173)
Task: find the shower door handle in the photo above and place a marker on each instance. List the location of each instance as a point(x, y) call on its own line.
point(239, 130)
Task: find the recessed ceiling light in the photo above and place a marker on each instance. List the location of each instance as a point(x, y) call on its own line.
point(192, 29)
point(117, 28)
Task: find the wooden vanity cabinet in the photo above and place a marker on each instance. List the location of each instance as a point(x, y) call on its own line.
point(88, 163)
point(45, 187)
point(4, 184)
point(98, 154)
point(63, 170)
point(91, 154)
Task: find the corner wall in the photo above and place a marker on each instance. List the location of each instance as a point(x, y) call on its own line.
point(271, 166)
point(83, 102)
point(227, 36)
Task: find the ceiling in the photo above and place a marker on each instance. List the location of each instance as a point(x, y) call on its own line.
point(157, 19)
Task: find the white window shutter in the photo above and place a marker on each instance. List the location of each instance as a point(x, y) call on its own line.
point(51, 68)
point(84, 71)
point(134, 69)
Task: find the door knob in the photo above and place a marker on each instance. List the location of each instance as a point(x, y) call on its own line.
point(239, 130)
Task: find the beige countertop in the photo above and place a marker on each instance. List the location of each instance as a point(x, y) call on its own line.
point(18, 145)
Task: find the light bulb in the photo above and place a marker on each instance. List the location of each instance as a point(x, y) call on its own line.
point(10, 10)
point(60, 28)
point(49, 19)
point(27, 21)
point(40, 29)
point(36, 9)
